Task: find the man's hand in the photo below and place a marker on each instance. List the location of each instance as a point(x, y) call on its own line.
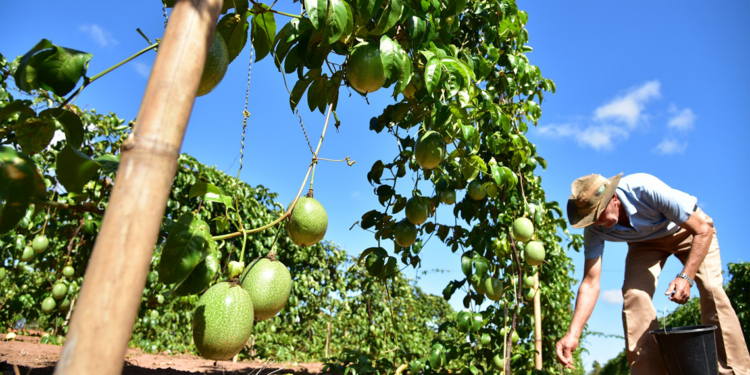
point(565, 348)
point(679, 291)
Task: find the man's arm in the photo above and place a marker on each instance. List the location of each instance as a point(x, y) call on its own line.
point(702, 235)
point(588, 293)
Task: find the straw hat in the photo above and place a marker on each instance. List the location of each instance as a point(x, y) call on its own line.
point(590, 196)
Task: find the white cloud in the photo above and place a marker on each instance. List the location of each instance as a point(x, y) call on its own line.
point(670, 146)
point(610, 123)
point(102, 37)
point(613, 296)
point(629, 108)
point(143, 70)
point(599, 137)
point(682, 119)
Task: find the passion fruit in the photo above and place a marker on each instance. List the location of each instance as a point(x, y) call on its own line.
point(308, 223)
point(405, 233)
point(523, 229)
point(476, 191)
point(59, 291)
point(534, 253)
point(28, 254)
point(40, 244)
point(365, 70)
point(223, 321)
point(217, 62)
point(528, 281)
point(430, 149)
point(375, 261)
point(447, 196)
point(417, 210)
point(48, 305)
point(493, 288)
point(68, 271)
point(269, 283)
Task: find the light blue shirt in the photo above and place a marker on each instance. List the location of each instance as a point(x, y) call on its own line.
point(655, 210)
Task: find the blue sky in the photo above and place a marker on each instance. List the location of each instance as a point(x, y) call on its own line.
point(655, 87)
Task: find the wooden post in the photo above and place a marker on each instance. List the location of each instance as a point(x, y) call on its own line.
point(537, 323)
point(102, 323)
point(328, 340)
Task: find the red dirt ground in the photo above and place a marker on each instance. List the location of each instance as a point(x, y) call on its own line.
point(34, 358)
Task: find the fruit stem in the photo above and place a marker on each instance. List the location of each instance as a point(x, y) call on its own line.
point(244, 243)
point(526, 208)
point(88, 81)
point(312, 177)
point(294, 203)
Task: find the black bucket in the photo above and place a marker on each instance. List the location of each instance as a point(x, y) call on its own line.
point(688, 350)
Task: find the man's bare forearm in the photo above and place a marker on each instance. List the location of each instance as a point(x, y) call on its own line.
point(588, 293)
point(698, 251)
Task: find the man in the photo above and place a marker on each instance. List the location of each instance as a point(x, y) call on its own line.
point(656, 221)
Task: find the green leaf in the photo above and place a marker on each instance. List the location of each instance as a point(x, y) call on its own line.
point(298, 91)
point(234, 32)
point(263, 31)
point(470, 137)
point(316, 11)
point(75, 169)
point(471, 166)
point(71, 123)
point(510, 177)
point(60, 71)
point(203, 274)
point(432, 72)
point(21, 183)
point(209, 192)
point(404, 73)
point(498, 175)
point(110, 163)
point(541, 162)
point(35, 134)
point(239, 6)
point(417, 29)
point(390, 16)
point(388, 54)
point(317, 93)
point(26, 73)
point(187, 245)
point(367, 8)
point(337, 18)
point(16, 106)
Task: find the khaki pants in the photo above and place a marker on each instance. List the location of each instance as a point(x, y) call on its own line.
point(644, 263)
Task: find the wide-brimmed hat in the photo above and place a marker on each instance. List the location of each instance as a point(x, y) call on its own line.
point(590, 196)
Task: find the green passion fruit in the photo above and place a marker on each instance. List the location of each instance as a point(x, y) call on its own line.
point(269, 283)
point(447, 196)
point(430, 149)
point(223, 321)
point(493, 288)
point(530, 294)
point(64, 306)
point(523, 229)
point(308, 223)
point(476, 191)
point(534, 253)
point(365, 70)
point(477, 281)
point(528, 281)
point(217, 62)
point(59, 290)
point(28, 254)
point(375, 261)
point(48, 305)
point(68, 271)
point(498, 362)
point(40, 244)
point(405, 233)
point(417, 210)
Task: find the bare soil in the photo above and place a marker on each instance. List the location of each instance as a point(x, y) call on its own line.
point(34, 358)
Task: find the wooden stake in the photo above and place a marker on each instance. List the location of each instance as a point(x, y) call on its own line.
point(537, 323)
point(328, 340)
point(111, 293)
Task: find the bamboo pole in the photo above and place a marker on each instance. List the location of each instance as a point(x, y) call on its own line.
point(111, 293)
point(537, 323)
